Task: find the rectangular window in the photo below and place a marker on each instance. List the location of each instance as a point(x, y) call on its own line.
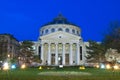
point(80, 53)
point(53, 58)
point(40, 52)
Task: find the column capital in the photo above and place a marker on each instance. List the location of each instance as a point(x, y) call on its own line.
point(42, 43)
point(78, 44)
point(49, 43)
point(63, 43)
point(70, 43)
point(56, 43)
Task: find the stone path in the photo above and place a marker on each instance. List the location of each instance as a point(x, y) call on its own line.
point(64, 73)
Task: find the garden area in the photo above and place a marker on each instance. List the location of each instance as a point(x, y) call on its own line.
point(55, 73)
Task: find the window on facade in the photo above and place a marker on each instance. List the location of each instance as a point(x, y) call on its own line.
point(42, 32)
point(59, 47)
point(33, 47)
point(40, 52)
point(10, 47)
point(67, 47)
point(73, 31)
point(46, 31)
point(60, 29)
point(52, 47)
point(74, 47)
point(80, 52)
point(52, 30)
point(67, 30)
point(78, 32)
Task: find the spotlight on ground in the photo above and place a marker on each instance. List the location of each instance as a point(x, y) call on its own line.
point(96, 66)
point(13, 66)
point(40, 67)
point(5, 66)
point(82, 67)
point(102, 66)
point(108, 66)
point(23, 66)
point(116, 67)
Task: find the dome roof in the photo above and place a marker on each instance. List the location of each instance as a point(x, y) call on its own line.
point(60, 19)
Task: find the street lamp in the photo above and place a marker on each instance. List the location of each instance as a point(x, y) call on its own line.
point(8, 55)
point(59, 58)
point(60, 62)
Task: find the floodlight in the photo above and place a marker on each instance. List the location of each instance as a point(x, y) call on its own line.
point(13, 66)
point(5, 66)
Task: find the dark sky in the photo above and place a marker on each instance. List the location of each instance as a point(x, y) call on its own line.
point(23, 18)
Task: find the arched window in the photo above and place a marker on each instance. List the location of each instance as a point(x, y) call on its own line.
point(67, 30)
point(73, 31)
point(52, 30)
point(60, 29)
point(46, 31)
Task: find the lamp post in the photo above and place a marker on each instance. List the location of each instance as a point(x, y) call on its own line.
point(60, 62)
point(8, 55)
point(59, 59)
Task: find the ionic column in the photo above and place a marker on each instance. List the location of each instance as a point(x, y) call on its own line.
point(78, 54)
point(49, 55)
point(42, 51)
point(70, 56)
point(56, 54)
point(63, 55)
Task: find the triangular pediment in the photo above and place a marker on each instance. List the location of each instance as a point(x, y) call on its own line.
point(60, 36)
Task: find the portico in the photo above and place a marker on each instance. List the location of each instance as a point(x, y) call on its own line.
point(60, 53)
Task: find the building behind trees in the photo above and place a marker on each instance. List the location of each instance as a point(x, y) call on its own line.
point(9, 46)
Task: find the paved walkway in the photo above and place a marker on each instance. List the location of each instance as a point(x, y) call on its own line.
point(51, 73)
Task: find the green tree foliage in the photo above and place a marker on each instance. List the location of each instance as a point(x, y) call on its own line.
point(37, 59)
point(96, 52)
point(26, 50)
point(112, 38)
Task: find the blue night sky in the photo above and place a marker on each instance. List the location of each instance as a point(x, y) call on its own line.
point(23, 18)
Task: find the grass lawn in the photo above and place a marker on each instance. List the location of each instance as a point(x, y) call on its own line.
point(60, 74)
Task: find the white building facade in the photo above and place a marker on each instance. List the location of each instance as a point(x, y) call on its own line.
point(60, 43)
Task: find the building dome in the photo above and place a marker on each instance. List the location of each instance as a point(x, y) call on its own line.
point(60, 23)
point(60, 19)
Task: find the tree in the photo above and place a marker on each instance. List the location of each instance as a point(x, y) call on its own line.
point(26, 50)
point(96, 52)
point(112, 38)
point(37, 59)
point(112, 55)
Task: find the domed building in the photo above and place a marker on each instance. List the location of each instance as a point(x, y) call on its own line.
point(60, 43)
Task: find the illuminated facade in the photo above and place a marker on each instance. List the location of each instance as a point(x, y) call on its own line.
point(60, 43)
